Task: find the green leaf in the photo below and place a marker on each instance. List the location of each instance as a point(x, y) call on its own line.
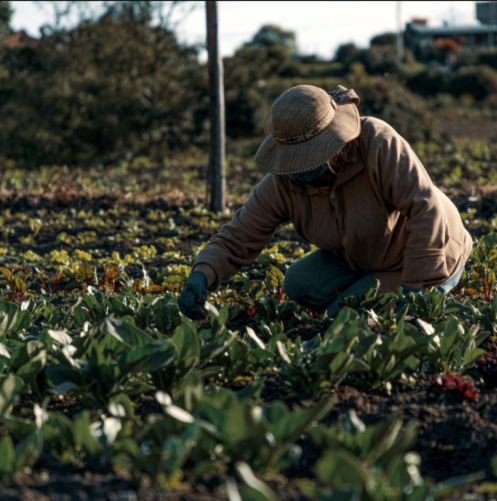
point(283, 351)
point(29, 450)
point(8, 455)
point(187, 344)
point(119, 308)
point(127, 333)
point(341, 468)
point(274, 277)
point(12, 319)
point(262, 491)
point(242, 426)
point(494, 465)
point(19, 427)
point(232, 490)
point(148, 358)
point(82, 434)
point(167, 316)
point(443, 489)
point(287, 426)
point(64, 378)
point(179, 414)
point(57, 434)
point(7, 273)
point(60, 337)
point(471, 356)
point(382, 438)
point(30, 360)
point(452, 332)
point(9, 389)
point(4, 352)
point(340, 363)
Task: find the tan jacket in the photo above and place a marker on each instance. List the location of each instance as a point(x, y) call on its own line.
point(383, 214)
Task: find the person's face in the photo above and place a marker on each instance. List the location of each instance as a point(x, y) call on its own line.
point(314, 176)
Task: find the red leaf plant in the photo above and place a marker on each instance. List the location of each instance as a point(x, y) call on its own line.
point(250, 311)
point(455, 382)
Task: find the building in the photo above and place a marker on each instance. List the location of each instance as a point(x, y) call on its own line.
point(486, 12)
point(425, 40)
point(420, 36)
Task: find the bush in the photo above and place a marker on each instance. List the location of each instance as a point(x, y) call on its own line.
point(104, 90)
point(488, 57)
point(477, 81)
point(388, 99)
point(428, 82)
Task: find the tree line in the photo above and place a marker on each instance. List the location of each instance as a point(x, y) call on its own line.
point(120, 84)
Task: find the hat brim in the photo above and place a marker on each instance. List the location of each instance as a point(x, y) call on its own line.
point(279, 158)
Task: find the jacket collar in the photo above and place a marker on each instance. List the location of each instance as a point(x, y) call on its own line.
point(354, 164)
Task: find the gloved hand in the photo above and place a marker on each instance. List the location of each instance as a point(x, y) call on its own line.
point(193, 296)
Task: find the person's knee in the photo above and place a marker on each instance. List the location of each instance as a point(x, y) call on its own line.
point(298, 288)
point(294, 285)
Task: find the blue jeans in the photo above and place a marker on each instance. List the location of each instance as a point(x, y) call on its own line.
point(452, 281)
point(321, 280)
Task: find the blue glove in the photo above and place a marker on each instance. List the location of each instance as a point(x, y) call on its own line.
point(193, 296)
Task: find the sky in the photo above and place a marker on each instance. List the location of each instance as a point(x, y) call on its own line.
point(319, 26)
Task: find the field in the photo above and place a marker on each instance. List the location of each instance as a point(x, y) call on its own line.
point(108, 392)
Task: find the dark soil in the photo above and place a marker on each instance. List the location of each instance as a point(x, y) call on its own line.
point(83, 486)
point(455, 436)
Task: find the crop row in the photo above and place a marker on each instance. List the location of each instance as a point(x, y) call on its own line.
point(106, 352)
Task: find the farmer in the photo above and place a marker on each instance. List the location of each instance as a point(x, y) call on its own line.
point(350, 185)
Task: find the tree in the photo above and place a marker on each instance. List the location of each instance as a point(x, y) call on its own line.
point(348, 53)
point(166, 14)
point(5, 16)
point(268, 55)
point(137, 11)
point(108, 88)
point(271, 35)
point(383, 39)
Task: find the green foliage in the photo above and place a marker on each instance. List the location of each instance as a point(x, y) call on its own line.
point(106, 89)
point(372, 463)
point(388, 99)
point(5, 16)
point(119, 86)
point(480, 82)
point(487, 57)
point(271, 35)
point(384, 39)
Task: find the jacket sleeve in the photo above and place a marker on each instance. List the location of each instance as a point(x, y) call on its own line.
point(406, 185)
point(239, 242)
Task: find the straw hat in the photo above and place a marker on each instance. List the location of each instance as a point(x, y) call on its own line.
point(306, 127)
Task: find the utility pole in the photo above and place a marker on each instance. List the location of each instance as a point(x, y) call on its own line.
point(216, 179)
point(400, 36)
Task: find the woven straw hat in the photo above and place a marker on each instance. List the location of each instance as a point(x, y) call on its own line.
point(305, 128)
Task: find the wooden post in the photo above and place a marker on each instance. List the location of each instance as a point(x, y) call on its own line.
point(216, 178)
